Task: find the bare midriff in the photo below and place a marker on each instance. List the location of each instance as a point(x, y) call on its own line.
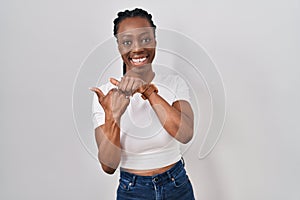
point(149, 172)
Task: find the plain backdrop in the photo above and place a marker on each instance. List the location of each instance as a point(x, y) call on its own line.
point(255, 45)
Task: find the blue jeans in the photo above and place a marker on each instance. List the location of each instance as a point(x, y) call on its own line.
point(173, 184)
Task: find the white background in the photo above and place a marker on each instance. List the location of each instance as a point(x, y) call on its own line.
point(255, 45)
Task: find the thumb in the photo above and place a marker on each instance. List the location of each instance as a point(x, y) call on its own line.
point(114, 81)
point(98, 92)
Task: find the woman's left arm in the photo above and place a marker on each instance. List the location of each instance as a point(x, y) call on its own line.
point(177, 119)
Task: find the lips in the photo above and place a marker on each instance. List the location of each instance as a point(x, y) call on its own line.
point(139, 61)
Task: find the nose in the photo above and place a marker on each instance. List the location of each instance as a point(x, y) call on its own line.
point(137, 47)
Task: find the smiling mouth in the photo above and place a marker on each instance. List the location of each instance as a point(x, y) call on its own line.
point(139, 61)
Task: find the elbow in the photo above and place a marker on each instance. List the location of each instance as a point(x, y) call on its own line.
point(108, 166)
point(186, 140)
point(107, 169)
point(187, 136)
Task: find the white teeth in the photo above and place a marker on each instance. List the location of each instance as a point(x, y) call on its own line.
point(138, 60)
point(142, 59)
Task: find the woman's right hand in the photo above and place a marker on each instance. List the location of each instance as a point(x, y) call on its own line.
point(114, 103)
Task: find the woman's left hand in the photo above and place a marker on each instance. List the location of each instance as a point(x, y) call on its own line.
point(128, 84)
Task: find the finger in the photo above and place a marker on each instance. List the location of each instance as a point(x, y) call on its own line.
point(137, 86)
point(129, 89)
point(98, 92)
point(123, 84)
point(114, 81)
point(122, 94)
point(113, 90)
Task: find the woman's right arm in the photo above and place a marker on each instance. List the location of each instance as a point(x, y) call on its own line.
point(107, 135)
point(109, 148)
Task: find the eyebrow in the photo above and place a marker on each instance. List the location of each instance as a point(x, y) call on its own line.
point(144, 33)
point(130, 35)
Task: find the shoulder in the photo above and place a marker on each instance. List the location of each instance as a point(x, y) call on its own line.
point(173, 87)
point(169, 80)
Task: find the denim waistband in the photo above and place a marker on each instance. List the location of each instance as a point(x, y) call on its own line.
point(158, 178)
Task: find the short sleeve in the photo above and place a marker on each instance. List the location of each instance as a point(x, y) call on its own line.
point(182, 90)
point(98, 115)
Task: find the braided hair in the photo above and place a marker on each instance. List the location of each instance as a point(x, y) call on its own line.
point(137, 12)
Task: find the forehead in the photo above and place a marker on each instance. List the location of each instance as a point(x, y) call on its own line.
point(134, 25)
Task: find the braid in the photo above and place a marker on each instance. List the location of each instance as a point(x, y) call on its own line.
point(137, 12)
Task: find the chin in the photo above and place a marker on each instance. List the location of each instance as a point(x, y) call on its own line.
point(138, 68)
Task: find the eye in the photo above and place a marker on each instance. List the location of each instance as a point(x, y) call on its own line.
point(146, 40)
point(127, 43)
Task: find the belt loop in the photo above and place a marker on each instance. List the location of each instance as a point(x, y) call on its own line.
point(133, 180)
point(182, 160)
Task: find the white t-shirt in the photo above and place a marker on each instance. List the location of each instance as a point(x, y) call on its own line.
point(145, 143)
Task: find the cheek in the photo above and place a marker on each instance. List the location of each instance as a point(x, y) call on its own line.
point(123, 51)
point(124, 58)
point(153, 53)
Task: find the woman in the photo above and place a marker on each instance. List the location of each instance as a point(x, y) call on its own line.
point(143, 118)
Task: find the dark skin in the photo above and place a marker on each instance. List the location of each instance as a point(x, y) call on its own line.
point(136, 43)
